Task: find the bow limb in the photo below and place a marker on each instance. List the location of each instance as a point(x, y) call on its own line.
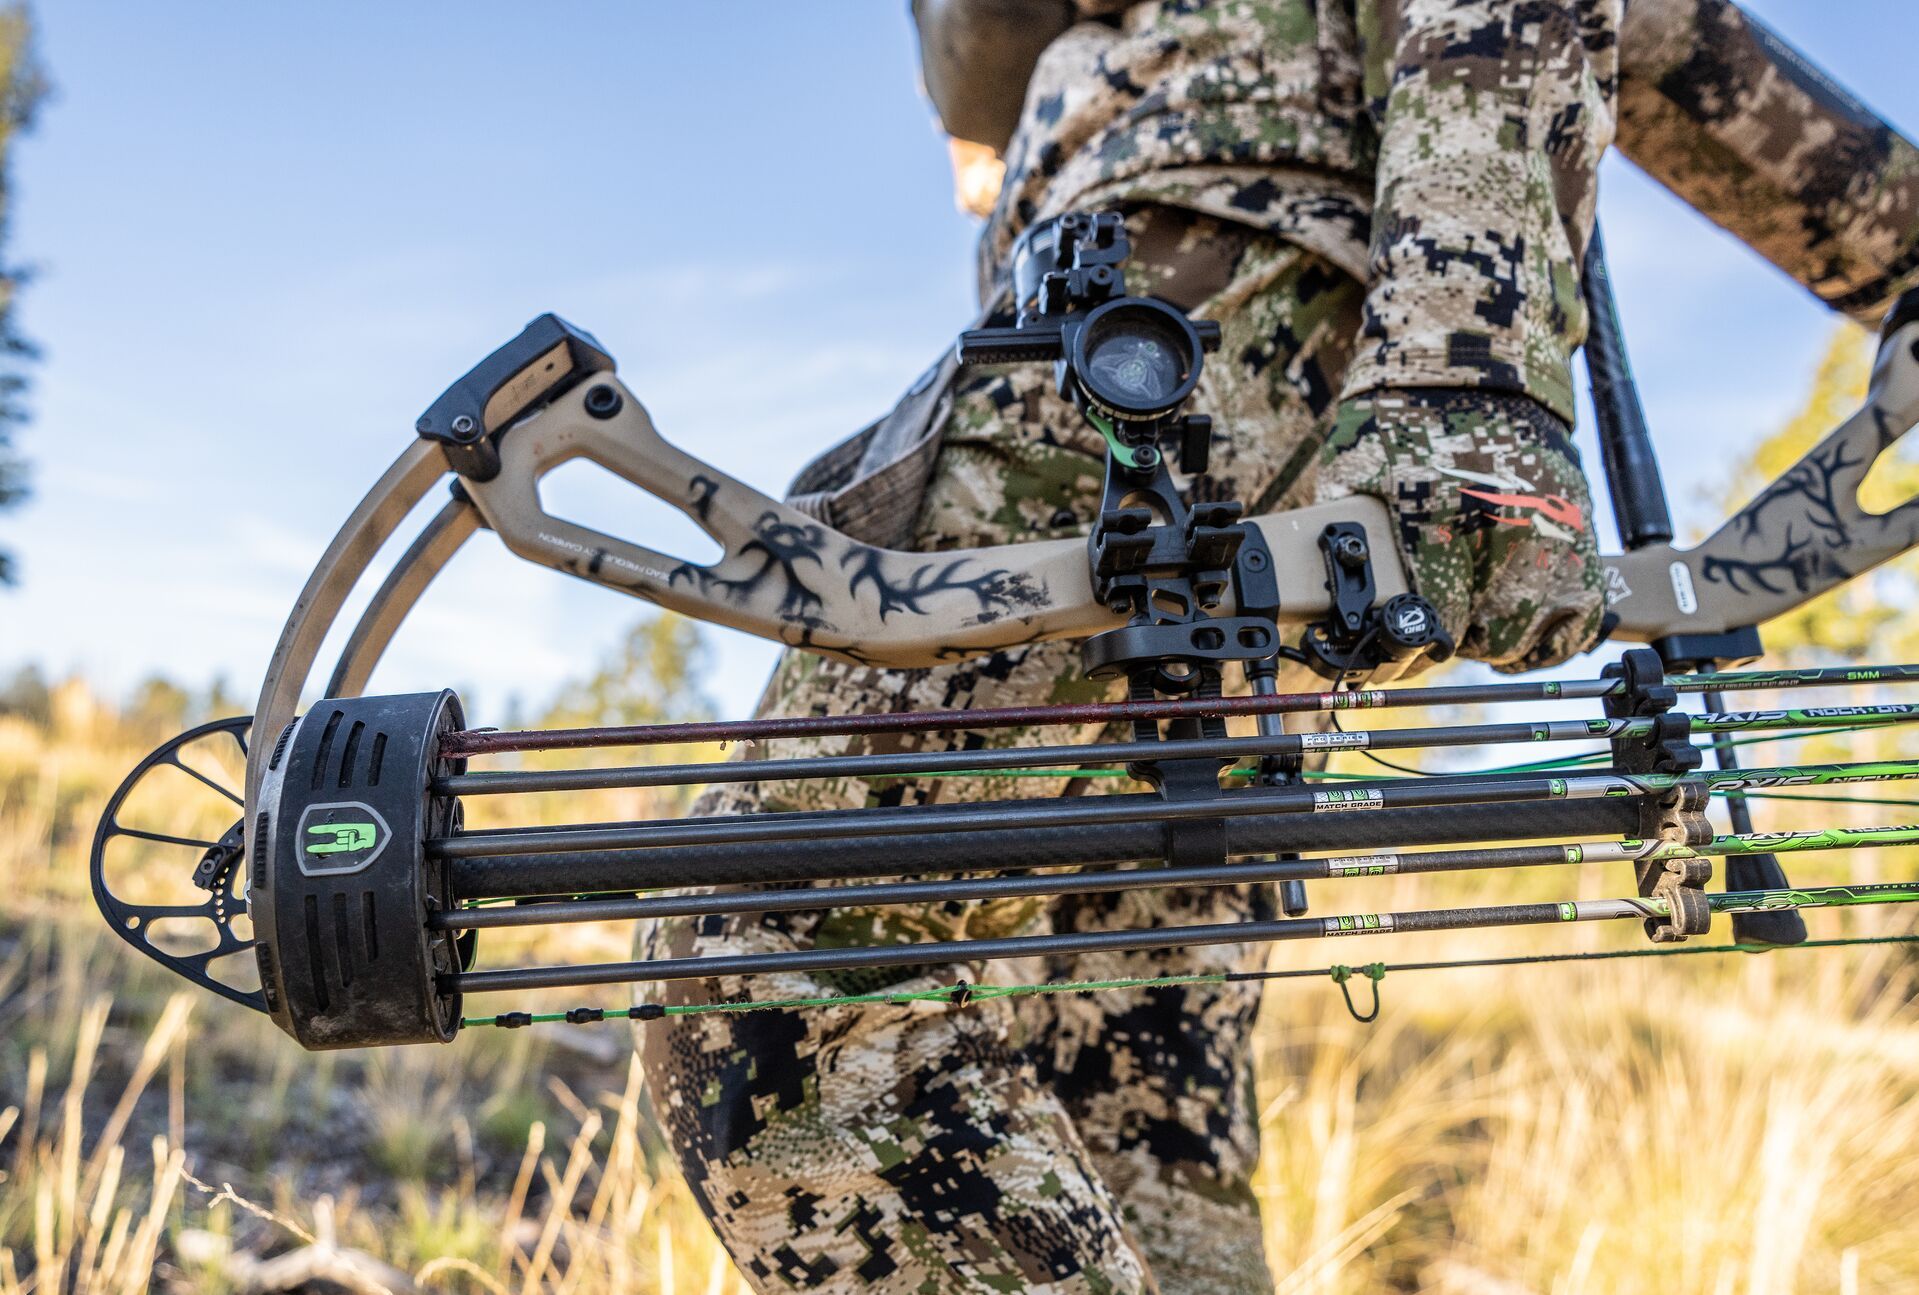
point(371, 524)
point(429, 553)
point(1801, 536)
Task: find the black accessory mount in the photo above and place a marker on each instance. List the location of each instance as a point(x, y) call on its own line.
point(1362, 634)
point(1678, 816)
point(1128, 363)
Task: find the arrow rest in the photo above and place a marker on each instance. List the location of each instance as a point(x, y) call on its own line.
point(1364, 637)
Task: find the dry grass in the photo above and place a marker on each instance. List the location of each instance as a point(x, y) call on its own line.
point(1741, 1126)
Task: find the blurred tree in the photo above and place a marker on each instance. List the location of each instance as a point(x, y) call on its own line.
point(22, 86)
point(651, 678)
point(159, 708)
point(27, 695)
point(1861, 620)
point(221, 701)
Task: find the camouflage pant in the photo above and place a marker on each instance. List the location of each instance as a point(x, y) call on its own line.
point(1096, 1143)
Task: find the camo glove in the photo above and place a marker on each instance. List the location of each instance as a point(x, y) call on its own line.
point(1494, 516)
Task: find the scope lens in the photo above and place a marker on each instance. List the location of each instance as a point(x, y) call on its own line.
point(1138, 359)
point(1140, 368)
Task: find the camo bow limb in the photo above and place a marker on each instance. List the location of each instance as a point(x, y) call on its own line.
point(1802, 535)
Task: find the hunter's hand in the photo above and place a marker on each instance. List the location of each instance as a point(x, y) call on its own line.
point(1494, 516)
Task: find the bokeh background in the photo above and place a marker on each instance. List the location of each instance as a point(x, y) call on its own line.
point(255, 241)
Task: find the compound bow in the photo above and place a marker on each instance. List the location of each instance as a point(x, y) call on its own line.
point(365, 893)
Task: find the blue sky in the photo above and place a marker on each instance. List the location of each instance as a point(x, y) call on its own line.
point(268, 235)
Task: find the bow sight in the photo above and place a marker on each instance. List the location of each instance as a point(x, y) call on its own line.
point(1127, 362)
point(364, 892)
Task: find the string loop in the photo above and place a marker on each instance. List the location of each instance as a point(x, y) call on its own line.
point(1373, 971)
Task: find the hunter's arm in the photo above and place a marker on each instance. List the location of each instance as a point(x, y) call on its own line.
point(1491, 118)
point(1768, 147)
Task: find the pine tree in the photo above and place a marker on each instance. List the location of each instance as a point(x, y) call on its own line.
point(21, 88)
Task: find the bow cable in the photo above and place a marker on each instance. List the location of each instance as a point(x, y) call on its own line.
point(962, 992)
point(1018, 761)
point(470, 742)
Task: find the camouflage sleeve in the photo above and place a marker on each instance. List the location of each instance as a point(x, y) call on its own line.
point(1491, 118)
point(1765, 145)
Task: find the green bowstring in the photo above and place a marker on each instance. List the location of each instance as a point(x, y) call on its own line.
point(1600, 757)
point(943, 994)
point(964, 993)
point(1831, 799)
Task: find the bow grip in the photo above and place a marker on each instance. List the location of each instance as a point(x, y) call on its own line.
point(547, 357)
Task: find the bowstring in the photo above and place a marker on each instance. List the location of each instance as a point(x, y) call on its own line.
point(1533, 766)
point(962, 993)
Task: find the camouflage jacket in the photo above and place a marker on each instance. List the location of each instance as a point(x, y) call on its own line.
point(1444, 152)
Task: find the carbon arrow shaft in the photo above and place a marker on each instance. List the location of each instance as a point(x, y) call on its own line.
point(1102, 810)
point(1230, 874)
point(945, 952)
